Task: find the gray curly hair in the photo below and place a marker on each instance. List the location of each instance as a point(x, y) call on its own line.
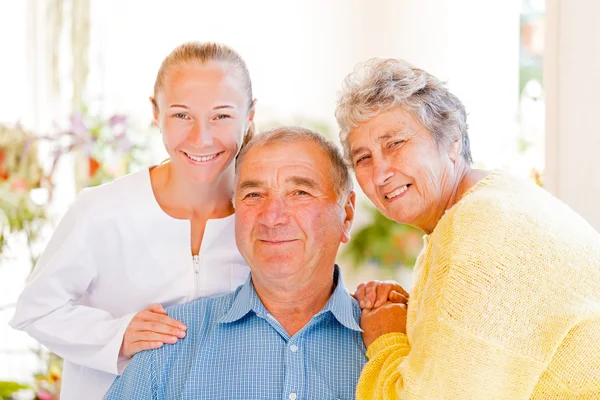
point(381, 84)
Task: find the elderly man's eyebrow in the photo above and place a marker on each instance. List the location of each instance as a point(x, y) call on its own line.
point(304, 181)
point(251, 184)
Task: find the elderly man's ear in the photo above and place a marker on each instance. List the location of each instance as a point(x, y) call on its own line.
point(349, 216)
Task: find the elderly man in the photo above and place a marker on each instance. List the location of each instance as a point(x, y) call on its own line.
point(292, 330)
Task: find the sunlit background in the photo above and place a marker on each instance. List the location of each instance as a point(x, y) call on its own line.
point(74, 111)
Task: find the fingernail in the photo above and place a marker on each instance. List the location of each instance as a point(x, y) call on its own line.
point(362, 304)
point(183, 327)
point(171, 339)
point(181, 334)
point(368, 304)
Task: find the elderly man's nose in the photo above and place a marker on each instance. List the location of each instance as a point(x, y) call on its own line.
point(274, 212)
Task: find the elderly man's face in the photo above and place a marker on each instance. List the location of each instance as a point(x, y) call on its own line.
point(400, 167)
point(289, 223)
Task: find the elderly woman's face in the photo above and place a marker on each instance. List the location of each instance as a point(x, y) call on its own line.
point(400, 167)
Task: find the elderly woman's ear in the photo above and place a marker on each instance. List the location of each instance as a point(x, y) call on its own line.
point(455, 150)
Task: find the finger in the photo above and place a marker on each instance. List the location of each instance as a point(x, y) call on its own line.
point(136, 347)
point(371, 294)
point(398, 288)
point(359, 295)
point(396, 297)
point(164, 319)
point(159, 327)
point(150, 336)
point(157, 308)
point(382, 293)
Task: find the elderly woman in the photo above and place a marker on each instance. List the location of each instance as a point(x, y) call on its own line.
point(506, 297)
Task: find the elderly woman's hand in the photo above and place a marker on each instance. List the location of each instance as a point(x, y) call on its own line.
point(388, 318)
point(373, 294)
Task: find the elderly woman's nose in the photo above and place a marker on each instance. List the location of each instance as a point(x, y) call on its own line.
point(382, 170)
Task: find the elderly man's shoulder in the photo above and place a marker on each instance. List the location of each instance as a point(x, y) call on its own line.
point(204, 310)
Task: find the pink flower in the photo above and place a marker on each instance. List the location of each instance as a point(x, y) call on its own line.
point(43, 395)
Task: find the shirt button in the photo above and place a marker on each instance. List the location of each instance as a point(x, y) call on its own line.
point(293, 348)
point(292, 396)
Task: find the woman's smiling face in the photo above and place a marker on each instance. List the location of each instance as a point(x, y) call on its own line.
point(203, 112)
point(401, 168)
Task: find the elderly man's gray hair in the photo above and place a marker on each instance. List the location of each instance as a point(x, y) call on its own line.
point(337, 168)
point(381, 84)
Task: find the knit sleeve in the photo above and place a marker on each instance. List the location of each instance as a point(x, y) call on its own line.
point(480, 330)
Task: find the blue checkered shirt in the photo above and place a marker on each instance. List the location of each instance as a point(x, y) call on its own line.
point(235, 349)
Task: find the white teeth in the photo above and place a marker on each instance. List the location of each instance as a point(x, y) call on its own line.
point(201, 159)
point(397, 192)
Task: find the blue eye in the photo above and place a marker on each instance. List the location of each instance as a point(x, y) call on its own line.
point(301, 192)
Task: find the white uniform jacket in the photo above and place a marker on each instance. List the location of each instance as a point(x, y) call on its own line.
point(114, 253)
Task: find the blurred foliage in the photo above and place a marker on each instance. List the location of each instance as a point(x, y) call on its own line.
point(47, 385)
point(20, 172)
point(106, 148)
point(9, 388)
point(384, 242)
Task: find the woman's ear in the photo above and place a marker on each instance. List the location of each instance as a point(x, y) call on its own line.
point(455, 149)
point(252, 111)
point(154, 110)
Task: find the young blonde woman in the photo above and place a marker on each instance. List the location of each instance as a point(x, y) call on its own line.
point(158, 237)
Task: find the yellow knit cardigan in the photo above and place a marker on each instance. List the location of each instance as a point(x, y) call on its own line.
point(505, 305)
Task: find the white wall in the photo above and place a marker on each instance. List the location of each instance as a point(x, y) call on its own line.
point(298, 52)
point(572, 81)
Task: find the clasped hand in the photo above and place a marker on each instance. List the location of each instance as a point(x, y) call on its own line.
point(384, 306)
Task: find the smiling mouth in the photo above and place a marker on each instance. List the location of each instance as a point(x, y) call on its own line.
point(202, 159)
point(277, 241)
point(397, 192)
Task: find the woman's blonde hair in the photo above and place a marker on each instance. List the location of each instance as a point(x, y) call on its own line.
point(204, 52)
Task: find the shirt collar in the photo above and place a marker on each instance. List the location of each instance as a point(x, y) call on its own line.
point(341, 305)
point(245, 301)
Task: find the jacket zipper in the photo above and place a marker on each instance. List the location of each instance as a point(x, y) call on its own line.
point(196, 263)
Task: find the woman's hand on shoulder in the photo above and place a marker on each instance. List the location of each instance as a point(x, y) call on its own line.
point(150, 329)
point(374, 294)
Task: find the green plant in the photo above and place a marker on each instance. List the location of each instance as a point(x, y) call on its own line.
point(7, 389)
point(384, 242)
point(20, 171)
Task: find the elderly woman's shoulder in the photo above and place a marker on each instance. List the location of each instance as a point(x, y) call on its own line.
point(510, 205)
